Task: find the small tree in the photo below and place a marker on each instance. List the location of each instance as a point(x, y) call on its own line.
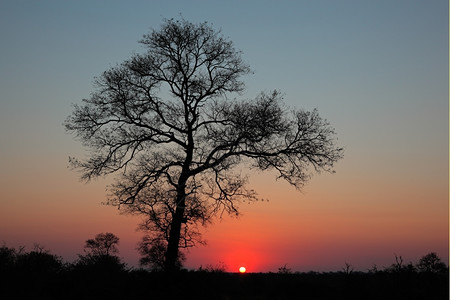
point(348, 269)
point(431, 263)
point(101, 255)
point(168, 122)
point(400, 267)
point(284, 270)
point(102, 244)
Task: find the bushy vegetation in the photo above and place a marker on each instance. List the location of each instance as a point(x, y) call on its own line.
point(98, 274)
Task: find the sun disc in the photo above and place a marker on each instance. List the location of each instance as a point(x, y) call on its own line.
point(242, 270)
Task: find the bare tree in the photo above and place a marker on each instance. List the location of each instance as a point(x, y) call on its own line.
point(168, 121)
point(284, 270)
point(348, 269)
point(400, 267)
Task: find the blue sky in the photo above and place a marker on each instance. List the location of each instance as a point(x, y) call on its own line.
point(377, 70)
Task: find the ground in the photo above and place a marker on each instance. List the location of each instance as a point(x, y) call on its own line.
point(136, 284)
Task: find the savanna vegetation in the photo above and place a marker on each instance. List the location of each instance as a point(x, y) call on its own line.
point(99, 273)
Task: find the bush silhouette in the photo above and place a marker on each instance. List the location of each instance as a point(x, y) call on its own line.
point(37, 262)
point(100, 264)
point(7, 259)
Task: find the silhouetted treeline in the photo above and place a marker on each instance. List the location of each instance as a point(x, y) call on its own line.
point(39, 274)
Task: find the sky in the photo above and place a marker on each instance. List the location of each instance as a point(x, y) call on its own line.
point(376, 70)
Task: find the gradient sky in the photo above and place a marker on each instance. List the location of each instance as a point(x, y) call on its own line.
point(377, 70)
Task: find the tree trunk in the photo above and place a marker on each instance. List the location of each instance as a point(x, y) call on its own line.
point(174, 235)
point(175, 228)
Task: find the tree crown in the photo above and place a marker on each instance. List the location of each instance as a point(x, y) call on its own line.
point(104, 244)
point(166, 120)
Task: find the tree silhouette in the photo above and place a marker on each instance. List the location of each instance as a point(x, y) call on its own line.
point(101, 255)
point(102, 244)
point(168, 123)
point(431, 263)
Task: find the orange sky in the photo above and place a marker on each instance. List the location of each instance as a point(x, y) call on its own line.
point(325, 227)
point(332, 221)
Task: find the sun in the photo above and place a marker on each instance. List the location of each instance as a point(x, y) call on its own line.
point(242, 270)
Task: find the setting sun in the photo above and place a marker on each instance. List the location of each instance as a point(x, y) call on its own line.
point(242, 269)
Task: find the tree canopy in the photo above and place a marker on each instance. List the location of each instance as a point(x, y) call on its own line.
point(169, 123)
point(102, 244)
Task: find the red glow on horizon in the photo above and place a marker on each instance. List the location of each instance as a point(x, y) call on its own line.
point(249, 259)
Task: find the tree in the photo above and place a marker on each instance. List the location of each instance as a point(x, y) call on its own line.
point(284, 270)
point(431, 263)
point(103, 244)
point(101, 255)
point(348, 269)
point(400, 267)
point(167, 122)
